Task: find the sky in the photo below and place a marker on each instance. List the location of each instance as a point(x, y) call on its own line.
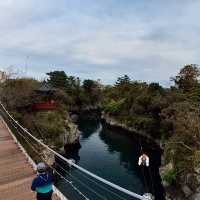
point(149, 40)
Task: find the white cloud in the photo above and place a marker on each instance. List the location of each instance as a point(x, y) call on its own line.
point(148, 41)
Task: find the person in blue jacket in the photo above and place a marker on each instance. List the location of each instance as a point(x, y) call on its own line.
point(43, 183)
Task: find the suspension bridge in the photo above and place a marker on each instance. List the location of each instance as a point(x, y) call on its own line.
point(20, 150)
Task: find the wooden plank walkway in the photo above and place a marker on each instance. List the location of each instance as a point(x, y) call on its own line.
point(16, 174)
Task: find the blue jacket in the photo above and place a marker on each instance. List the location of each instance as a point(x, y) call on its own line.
point(42, 183)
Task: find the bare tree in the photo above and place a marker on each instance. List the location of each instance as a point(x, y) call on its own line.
point(12, 72)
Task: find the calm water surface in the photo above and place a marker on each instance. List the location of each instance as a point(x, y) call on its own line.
point(114, 156)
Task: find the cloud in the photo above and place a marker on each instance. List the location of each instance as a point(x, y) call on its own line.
point(149, 41)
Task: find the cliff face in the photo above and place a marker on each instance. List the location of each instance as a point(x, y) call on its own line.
point(53, 127)
point(188, 187)
point(72, 133)
point(67, 132)
point(113, 122)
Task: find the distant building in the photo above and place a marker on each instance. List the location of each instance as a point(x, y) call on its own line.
point(3, 76)
point(44, 97)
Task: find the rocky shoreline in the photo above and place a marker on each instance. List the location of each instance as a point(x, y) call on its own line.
point(113, 122)
point(188, 188)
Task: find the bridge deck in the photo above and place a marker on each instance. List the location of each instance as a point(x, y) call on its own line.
point(16, 174)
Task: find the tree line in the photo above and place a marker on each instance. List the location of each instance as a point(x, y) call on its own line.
point(169, 114)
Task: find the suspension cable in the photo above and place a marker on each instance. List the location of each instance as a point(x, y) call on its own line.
point(76, 166)
point(78, 180)
point(36, 151)
point(93, 181)
point(101, 186)
point(28, 141)
point(34, 148)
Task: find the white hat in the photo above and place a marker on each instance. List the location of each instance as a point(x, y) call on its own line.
point(41, 167)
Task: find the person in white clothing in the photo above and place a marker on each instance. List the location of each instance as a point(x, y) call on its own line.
point(143, 160)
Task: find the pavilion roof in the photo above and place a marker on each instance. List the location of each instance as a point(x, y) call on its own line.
point(45, 87)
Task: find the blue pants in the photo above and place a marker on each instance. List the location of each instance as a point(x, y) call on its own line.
point(44, 196)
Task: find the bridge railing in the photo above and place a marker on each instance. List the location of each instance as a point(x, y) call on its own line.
point(74, 181)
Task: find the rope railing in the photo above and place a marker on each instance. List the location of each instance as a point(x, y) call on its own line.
point(29, 147)
point(70, 163)
point(37, 152)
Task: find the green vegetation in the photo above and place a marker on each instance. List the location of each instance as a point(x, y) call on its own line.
point(16, 93)
point(169, 114)
point(71, 93)
point(136, 104)
point(170, 176)
point(54, 126)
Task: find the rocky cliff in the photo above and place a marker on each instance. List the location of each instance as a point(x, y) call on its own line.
point(187, 187)
point(55, 128)
point(113, 122)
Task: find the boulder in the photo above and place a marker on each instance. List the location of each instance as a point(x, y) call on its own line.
point(196, 196)
point(186, 190)
point(198, 179)
point(198, 190)
point(197, 170)
point(192, 181)
point(74, 118)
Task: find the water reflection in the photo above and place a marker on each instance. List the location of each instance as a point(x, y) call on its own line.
point(114, 156)
point(88, 127)
point(130, 151)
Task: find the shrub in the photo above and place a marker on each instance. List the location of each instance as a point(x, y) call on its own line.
point(196, 158)
point(170, 176)
point(114, 107)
